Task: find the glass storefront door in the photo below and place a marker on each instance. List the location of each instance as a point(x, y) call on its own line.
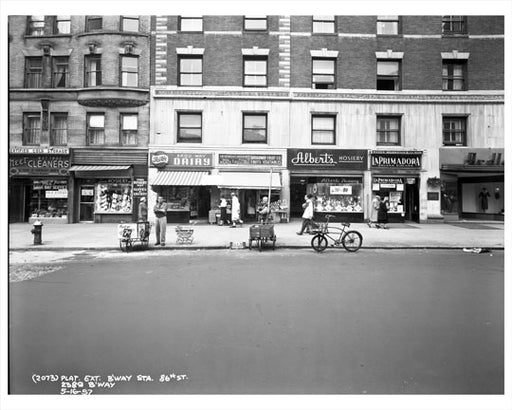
point(86, 195)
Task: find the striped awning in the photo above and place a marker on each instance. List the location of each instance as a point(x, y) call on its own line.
point(183, 178)
point(249, 180)
point(92, 168)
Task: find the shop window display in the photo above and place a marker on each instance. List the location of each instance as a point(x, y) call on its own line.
point(114, 197)
point(48, 199)
point(393, 190)
point(337, 195)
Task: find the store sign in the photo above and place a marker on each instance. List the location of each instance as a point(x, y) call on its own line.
point(140, 187)
point(39, 150)
point(60, 193)
point(161, 159)
point(38, 164)
point(249, 159)
point(340, 190)
point(327, 159)
point(396, 159)
point(379, 183)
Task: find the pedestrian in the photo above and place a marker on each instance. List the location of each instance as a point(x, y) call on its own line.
point(307, 216)
point(483, 195)
point(143, 210)
point(372, 221)
point(223, 210)
point(382, 215)
point(263, 210)
point(160, 211)
point(235, 211)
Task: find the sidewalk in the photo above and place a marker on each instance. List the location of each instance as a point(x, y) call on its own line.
point(474, 234)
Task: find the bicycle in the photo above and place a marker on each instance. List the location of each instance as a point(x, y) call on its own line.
point(351, 240)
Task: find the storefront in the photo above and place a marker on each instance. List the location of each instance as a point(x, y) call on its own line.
point(335, 178)
point(472, 183)
point(38, 184)
point(107, 184)
point(178, 178)
point(396, 178)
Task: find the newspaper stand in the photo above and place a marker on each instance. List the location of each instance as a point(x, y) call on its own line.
point(260, 234)
point(130, 234)
point(184, 234)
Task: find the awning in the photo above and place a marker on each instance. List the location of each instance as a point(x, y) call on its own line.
point(183, 178)
point(92, 168)
point(249, 180)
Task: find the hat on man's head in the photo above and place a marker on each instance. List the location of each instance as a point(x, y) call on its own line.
point(143, 200)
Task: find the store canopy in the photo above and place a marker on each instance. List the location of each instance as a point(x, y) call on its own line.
point(93, 168)
point(249, 180)
point(182, 178)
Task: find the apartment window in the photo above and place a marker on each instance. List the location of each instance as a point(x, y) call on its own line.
point(189, 127)
point(59, 129)
point(254, 128)
point(387, 25)
point(255, 23)
point(129, 23)
point(454, 130)
point(93, 23)
point(388, 130)
point(129, 71)
point(32, 129)
point(323, 129)
point(62, 25)
point(454, 75)
point(60, 67)
point(95, 129)
point(191, 24)
point(255, 71)
point(35, 26)
point(323, 73)
point(129, 127)
point(93, 70)
point(190, 71)
point(323, 24)
point(34, 72)
point(454, 25)
point(388, 75)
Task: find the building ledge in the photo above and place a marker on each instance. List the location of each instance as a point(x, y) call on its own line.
point(113, 97)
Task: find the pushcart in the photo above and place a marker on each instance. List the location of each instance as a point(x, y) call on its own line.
point(260, 234)
point(184, 234)
point(130, 234)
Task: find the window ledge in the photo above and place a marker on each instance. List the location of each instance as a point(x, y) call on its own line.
point(118, 32)
point(29, 36)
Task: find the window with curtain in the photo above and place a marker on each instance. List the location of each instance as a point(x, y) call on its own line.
point(130, 23)
point(323, 129)
point(35, 25)
point(454, 130)
point(254, 128)
point(59, 129)
point(92, 70)
point(190, 71)
point(388, 130)
point(129, 71)
point(95, 129)
point(387, 25)
point(33, 72)
point(62, 25)
point(31, 129)
point(129, 127)
point(454, 75)
point(323, 73)
point(60, 72)
point(255, 71)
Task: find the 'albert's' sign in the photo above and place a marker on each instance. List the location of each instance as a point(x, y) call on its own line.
point(327, 159)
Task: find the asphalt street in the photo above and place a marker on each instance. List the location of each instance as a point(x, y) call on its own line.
point(244, 322)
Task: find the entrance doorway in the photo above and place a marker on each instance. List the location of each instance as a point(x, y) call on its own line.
point(412, 200)
point(86, 213)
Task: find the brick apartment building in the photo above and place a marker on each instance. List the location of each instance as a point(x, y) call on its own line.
point(343, 107)
point(78, 117)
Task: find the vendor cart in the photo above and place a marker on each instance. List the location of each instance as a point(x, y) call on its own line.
point(260, 234)
point(130, 234)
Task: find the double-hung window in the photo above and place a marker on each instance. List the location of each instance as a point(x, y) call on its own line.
point(255, 23)
point(454, 130)
point(453, 25)
point(255, 71)
point(190, 127)
point(59, 129)
point(191, 23)
point(190, 71)
point(388, 130)
point(388, 75)
point(323, 129)
point(60, 76)
point(93, 23)
point(387, 25)
point(130, 23)
point(33, 72)
point(62, 25)
point(129, 127)
point(95, 129)
point(254, 128)
point(32, 129)
point(323, 73)
point(35, 25)
point(454, 75)
point(324, 24)
point(129, 71)
point(93, 70)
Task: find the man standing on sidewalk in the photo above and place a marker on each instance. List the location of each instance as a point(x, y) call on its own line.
point(160, 210)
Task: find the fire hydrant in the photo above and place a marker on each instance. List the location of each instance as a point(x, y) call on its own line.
point(38, 232)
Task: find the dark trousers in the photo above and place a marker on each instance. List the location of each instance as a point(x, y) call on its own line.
point(224, 215)
point(306, 223)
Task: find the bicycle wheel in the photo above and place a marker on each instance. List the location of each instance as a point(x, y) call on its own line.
point(319, 242)
point(352, 241)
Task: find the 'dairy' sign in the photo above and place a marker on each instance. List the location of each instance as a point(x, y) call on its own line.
point(182, 160)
